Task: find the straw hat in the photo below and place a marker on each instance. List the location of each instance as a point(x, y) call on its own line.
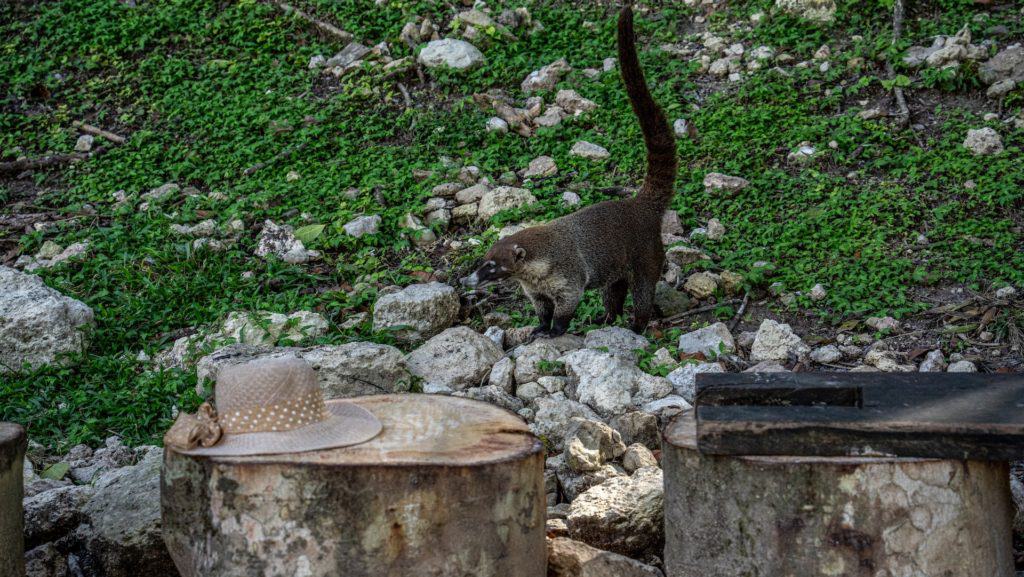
point(270, 406)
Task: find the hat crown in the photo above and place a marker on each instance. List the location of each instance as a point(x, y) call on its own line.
point(275, 394)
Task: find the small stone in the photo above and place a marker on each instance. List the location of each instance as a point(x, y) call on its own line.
point(776, 341)
point(545, 78)
point(495, 124)
point(1001, 88)
point(827, 354)
point(962, 367)
point(882, 323)
point(716, 181)
point(573, 103)
point(636, 457)
point(570, 198)
point(589, 150)
point(934, 362)
point(684, 379)
point(682, 128)
point(983, 142)
point(701, 284)
point(499, 199)
point(1006, 293)
point(416, 312)
point(617, 341)
point(818, 292)
point(541, 166)
point(455, 54)
point(709, 341)
point(715, 229)
point(84, 143)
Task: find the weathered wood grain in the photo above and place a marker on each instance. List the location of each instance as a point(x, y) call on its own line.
point(952, 416)
point(12, 454)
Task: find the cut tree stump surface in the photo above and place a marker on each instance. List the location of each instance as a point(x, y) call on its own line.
point(811, 516)
point(948, 416)
point(12, 453)
point(450, 488)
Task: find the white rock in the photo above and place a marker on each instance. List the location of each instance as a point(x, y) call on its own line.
point(882, 323)
point(38, 325)
point(1001, 88)
point(601, 380)
point(716, 181)
point(495, 124)
point(589, 150)
point(456, 54)
point(983, 141)
point(684, 379)
point(822, 11)
point(573, 103)
point(776, 341)
point(617, 340)
point(502, 198)
point(281, 242)
point(84, 143)
point(767, 367)
point(681, 127)
point(552, 117)
point(531, 358)
point(570, 198)
point(1006, 292)
point(637, 457)
point(934, 362)
point(624, 515)
point(827, 354)
point(540, 167)
point(551, 420)
point(886, 361)
point(417, 312)
point(568, 558)
point(682, 255)
point(818, 292)
point(501, 375)
point(710, 341)
point(545, 78)
point(268, 328)
point(458, 358)
point(363, 225)
point(962, 367)
point(589, 444)
point(529, 392)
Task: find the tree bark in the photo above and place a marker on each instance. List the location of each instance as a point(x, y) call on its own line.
point(12, 458)
point(832, 516)
point(450, 488)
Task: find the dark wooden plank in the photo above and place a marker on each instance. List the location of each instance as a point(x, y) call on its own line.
point(943, 415)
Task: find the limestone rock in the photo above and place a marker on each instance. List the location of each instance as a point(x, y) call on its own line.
point(624, 514)
point(38, 325)
point(1007, 64)
point(638, 427)
point(776, 341)
point(455, 54)
point(573, 103)
point(546, 78)
point(502, 198)
point(710, 341)
point(280, 241)
point(501, 375)
point(684, 379)
point(589, 444)
point(541, 166)
point(718, 182)
point(552, 417)
point(589, 150)
point(983, 141)
point(823, 11)
point(609, 384)
point(617, 340)
point(52, 514)
point(417, 312)
point(458, 358)
point(701, 284)
point(934, 362)
point(637, 456)
point(568, 558)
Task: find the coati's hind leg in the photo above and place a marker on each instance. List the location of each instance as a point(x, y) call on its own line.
point(565, 308)
point(614, 299)
point(643, 301)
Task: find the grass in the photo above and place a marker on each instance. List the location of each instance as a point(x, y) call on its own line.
point(206, 89)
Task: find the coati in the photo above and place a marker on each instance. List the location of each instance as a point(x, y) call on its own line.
point(614, 245)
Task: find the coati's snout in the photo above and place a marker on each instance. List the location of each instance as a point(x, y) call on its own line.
point(501, 262)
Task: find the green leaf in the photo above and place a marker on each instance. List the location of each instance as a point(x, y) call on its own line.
point(309, 233)
point(55, 471)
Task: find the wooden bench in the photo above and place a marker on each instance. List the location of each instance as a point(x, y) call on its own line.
point(451, 487)
point(12, 458)
point(843, 475)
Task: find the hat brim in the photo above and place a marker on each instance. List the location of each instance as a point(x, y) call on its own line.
point(349, 424)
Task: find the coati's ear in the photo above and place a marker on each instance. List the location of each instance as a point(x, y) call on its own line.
point(518, 252)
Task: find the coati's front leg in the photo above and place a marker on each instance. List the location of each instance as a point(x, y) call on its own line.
point(614, 300)
point(545, 309)
point(565, 308)
point(643, 301)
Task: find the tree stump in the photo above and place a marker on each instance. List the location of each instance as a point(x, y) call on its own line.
point(832, 516)
point(12, 460)
point(450, 488)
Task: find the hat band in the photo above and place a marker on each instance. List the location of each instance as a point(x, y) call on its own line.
point(284, 416)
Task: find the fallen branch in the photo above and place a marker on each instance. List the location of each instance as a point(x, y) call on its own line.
point(48, 161)
point(739, 313)
point(95, 131)
point(286, 152)
point(324, 26)
point(898, 13)
point(697, 311)
point(405, 95)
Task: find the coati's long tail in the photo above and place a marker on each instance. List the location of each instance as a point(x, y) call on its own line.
point(662, 164)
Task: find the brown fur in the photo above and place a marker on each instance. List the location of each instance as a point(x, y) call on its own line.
point(614, 245)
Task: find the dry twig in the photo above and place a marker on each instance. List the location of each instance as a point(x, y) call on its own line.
point(48, 161)
point(95, 131)
point(324, 26)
